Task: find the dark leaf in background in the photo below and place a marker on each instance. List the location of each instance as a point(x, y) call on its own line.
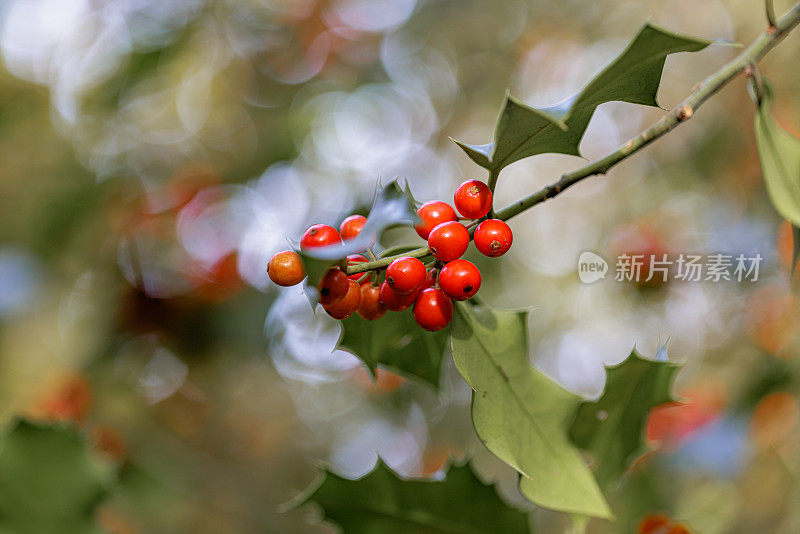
point(613, 427)
point(382, 502)
point(49, 480)
point(395, 342)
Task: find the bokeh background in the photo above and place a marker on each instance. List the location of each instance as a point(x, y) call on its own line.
point(155, 154)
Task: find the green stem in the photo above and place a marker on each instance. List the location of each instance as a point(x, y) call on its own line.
point(770, 8)
point(492, 180)
point(494, 174)
point(579, 523)
point(384, 262)
point(681, 113)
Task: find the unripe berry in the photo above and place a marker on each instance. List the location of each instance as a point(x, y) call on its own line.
point(448, 241)
point(353, 259)
point(431, 214)
point(319, 235)
point(460, 279)
point(371, 308)
point(334, 285)
point(345, 306)
point(405, 275)
point(285, 268)
point(473, 199)
point(351, 226)
point(493, 238)
point(433, 310)
point(393, 300)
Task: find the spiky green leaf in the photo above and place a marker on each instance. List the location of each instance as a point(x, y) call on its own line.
point(383, 502)
point(521, 415)
point(395, 342)
point(634, 76)
point(612, 428)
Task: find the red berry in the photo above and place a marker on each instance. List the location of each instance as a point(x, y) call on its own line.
point(493, 238)
point(448, 241)
point(334, 285)
point(319, 235)
point(431, 214)
point(285, 268)
point(393, 300)
point(345, 306)
point(352, 226)
point(371, 307)
point(473, 199)
point(460, 279)
point(433, 309)
point(352, 259)
point(405, 275)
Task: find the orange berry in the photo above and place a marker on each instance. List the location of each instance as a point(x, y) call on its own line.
point(285, 268)
point(345, 306)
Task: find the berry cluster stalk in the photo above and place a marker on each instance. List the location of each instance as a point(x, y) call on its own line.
point(744, 62)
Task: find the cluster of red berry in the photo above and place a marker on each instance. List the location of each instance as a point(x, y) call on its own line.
point(407, 281)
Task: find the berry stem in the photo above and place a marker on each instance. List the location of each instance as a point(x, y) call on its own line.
point(750, 56)
point(384, 262)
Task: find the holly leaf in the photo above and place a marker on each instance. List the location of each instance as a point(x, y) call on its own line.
point(383, 502)
point(49, 480)
point(634, 76)
point(612, 428)
point(480, 154)
point(779, 154)
point(393, 204)
point(521, 415)
point(395, 342)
